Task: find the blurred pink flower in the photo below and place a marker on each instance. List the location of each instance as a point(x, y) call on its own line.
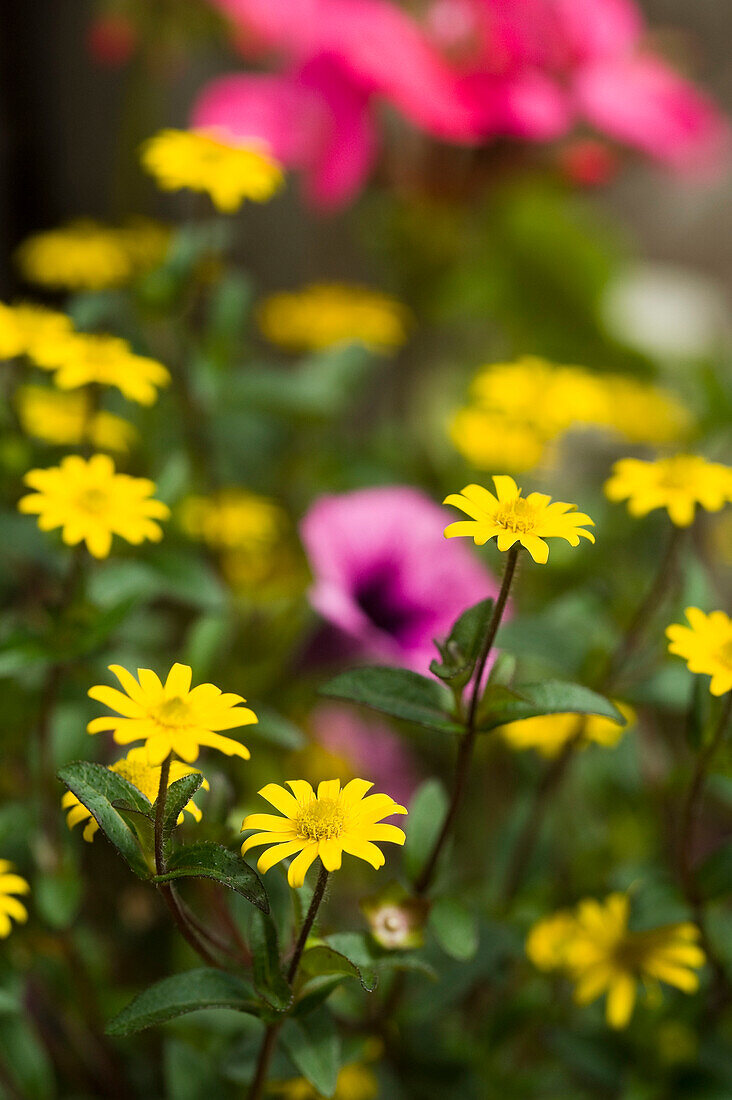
point(384, 574)
point(369, 747)
point(470, 71)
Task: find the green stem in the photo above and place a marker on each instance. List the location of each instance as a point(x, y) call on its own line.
point(689, 817)
point(467, 743)
point(269, 1041)
point(165, 888)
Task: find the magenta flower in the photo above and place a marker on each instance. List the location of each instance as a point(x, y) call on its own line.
point(384, 575)
point(470, 71)
point(367, 745)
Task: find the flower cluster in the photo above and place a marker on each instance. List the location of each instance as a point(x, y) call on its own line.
point(594, 946)
point(504, 422)
point(326, 314)
point(85, 255)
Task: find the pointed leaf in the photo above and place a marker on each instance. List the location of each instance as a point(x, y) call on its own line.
point(209, 860)
point(97, 788)
point(204, 987)
point(179, 795)
point(313, 1045)
point(367, 955)
point(501, 705)
point(323, 959)
point(461, 648)
point(398, 692)
point(455, 928)
point(426, 813)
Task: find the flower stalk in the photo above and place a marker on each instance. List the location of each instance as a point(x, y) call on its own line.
point(269, 1041)
point(467, 743)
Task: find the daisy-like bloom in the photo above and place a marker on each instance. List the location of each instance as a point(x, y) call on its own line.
point(511, 518)
point(136, 769)
point(67, 419)
point(170, 717)
point(24, 324)
point(91, 502)
point(10, 907)
point(600, 954)
point(677, 484)
point(86, 255)
point(706, 646)
point(234, 519)
point(80, 359)
point(228, 172)
point(549, 733)
point(81, 256)
point(324, 825)
point(326, 314)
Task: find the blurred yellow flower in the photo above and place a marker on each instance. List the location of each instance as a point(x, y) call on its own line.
point(511, 518)
point(233, 519)
point(137, 770)
point(10, 907)
point(68, 419)
point(170, 717)
point(80, 359)
point(504, 412)
point(677, 484)
point(706, 646)
point(600, 954)
point(22, 325)
point(324, 825)
point(91, 502)
point(227, 172)
point(355, 1082)
point(86, 255)
point(549, 733)
point(325, 314)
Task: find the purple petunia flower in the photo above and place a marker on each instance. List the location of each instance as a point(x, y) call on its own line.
point(384, 575)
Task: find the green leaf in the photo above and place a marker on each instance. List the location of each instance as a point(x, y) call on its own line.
point(98, 788)
point(209, 860)
point(398, 692)
point(501, 705)
point(313, 1045)
point(714, 877)
point(367, 955)
point(179, 795)
point(182, 993)
point(455, 928)
point(426, 814)
point(266, 968)
point(323, 959)
point(460, 650)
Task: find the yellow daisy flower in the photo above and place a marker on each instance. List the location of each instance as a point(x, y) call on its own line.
point(677, 484)
point(91, 503)
point(170, 717)
point(24, 324)
point(706, 646)
point(81, 256)
point(80, 359)
point(234, 519)
point(67, 419)
point(228, 173)
point(486, 438)
point(137, 769)
point(11, 884)
point(326, 314)
point(549, 733)
point(597, 950)
point(512, 518)
point(324, 825)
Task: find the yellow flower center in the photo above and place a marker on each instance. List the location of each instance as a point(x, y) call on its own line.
point(725, 653)
point(93, 500)
point(173, 713)
point(518, 516)
point(321, 820)
point(678, 474)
